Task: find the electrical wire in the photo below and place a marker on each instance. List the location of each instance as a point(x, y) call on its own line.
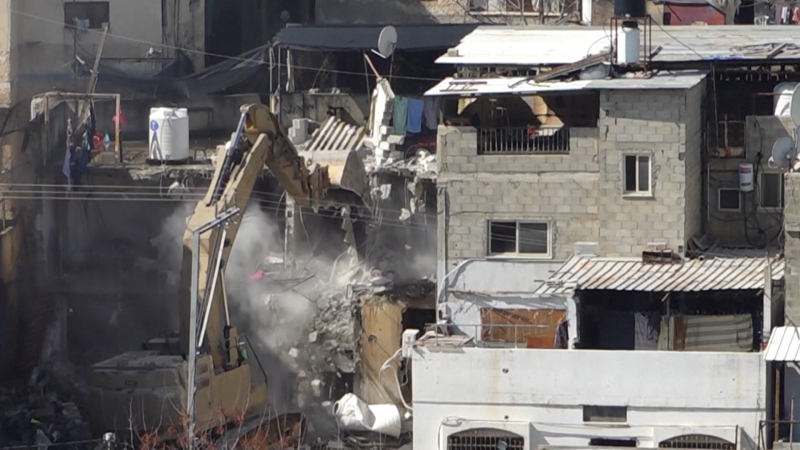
point(520, 239)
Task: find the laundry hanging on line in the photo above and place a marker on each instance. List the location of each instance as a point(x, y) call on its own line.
point(400, 115)
point(431, 112)
point(415, 111)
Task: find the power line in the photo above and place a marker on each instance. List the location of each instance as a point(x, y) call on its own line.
point(382, 221)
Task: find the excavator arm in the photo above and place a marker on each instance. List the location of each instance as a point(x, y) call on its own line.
point(257, 142)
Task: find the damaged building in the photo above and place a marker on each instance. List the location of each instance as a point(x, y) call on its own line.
point(618, 203)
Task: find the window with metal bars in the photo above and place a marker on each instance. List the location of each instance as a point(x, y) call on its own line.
point(485, 439)
point(697, 441)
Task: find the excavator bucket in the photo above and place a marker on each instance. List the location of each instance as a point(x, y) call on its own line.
point(346, 170)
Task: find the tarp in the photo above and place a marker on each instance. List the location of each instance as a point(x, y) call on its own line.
point(178, 81)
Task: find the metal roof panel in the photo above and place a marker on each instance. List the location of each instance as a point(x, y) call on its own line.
point(784, 345)
point(551, 45)
point(626, 274)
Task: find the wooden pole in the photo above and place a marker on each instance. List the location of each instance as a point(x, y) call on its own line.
point(371, 66)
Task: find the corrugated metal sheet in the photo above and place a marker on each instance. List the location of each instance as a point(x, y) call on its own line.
point(525, 86)
point(335, 134)
point(784, 345)
point(532, 46)
point(631, 274)
point(353, 38)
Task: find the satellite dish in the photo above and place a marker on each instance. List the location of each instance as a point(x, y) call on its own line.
point(387, 41)
point(794, 106)
point(782, 151)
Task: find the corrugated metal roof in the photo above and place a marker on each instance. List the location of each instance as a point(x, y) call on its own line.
point(364, 37)
point(631, 274)
point(784, 345)
point(522, 86)
point(336, 134)
point(534, 46)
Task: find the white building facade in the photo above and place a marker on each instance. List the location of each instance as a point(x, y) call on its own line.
point(538, 398)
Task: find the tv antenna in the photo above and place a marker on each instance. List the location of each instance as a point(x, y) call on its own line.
point(387, 41)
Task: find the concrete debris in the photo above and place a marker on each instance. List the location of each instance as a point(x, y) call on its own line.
point(36, 416)
point(312, 337)
point(405, 214)
point(293, 353)
point(422, 165)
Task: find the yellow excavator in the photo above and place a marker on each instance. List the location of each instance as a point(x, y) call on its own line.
point(147, 391)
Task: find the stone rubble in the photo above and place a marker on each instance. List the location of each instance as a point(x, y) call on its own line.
point(36, 416)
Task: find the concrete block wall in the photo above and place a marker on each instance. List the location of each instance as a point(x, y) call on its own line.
point(652, 123)
point(560, 189)
point(791, 213)
point(580, 194)
point(761, 132)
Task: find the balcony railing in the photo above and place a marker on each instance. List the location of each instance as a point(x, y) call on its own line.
point(523, 140)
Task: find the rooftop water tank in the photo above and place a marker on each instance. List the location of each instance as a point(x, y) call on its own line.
point(169, 135)
point(628, 43)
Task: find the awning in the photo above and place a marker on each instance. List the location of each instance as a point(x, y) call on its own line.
point(410, 38)
point(526, 86)
point(633, 274)
point(784, 345)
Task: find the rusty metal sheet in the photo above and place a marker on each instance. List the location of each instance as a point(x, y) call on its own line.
point(631, 274)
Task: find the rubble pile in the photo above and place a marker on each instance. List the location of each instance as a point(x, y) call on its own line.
point(35, 415)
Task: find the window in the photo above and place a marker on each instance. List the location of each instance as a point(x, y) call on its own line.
point(528, 238)
point(605, 413)
point(729, 200)
point(771, 190)
point(637, 174)
point(92, 15)
point(520, 5)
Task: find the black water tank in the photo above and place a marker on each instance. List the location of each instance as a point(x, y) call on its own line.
point(632, 8)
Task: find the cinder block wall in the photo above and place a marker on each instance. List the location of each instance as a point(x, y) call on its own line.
point(580, 193)
point(791, 215)
point(664, 125)
point(476, 188)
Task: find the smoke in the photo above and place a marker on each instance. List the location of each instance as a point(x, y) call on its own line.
point(274, 320)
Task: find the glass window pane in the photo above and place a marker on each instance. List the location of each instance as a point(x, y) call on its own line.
point(502, 237)
point(630, 173)
point(644, 173)
point(533, 238)
point(770, 190)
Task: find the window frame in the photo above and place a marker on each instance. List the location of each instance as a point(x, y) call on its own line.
point(593, 414)
point(781, 193)
point(719, 200)
point(637, 192)
point(517, 254)
point(71, 25)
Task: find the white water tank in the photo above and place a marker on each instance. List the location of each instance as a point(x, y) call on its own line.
point(746, 177)
point(782, 98)
point(169, 134)
point(628, 43)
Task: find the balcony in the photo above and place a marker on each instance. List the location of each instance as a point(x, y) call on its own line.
point(544, 140)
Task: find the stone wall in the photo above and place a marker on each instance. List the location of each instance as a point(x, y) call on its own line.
point(581, 194)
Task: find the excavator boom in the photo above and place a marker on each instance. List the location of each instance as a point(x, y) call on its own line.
point(141, 383)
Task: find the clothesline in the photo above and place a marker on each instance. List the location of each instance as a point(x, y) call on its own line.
point(410, 114)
